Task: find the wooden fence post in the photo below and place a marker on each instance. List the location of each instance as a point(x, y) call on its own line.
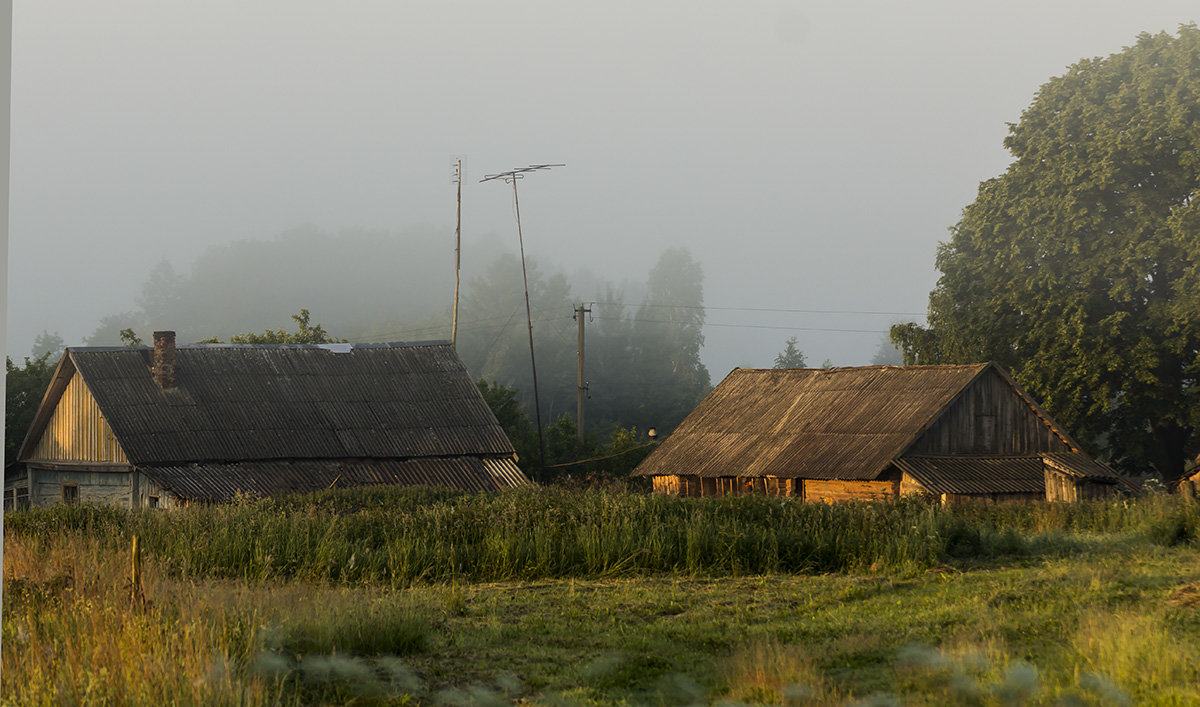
point(136, 569)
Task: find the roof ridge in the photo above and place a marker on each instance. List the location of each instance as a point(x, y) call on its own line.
point(924, 366)
point(273, 347)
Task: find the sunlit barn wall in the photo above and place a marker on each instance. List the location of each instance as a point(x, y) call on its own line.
point(77, 431)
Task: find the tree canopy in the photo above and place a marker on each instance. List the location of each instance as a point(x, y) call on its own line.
point(791, 356)
point(1078, 268)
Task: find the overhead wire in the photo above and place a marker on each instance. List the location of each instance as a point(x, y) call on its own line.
point(756, 326)
point(761, 309)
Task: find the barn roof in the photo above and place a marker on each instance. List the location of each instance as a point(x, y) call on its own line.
point(840, 423)
point(968, 474)
point(973, 475)
point(259, 403)
point(222, 482)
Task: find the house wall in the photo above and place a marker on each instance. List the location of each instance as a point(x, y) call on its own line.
point(830, 491)
point(989, 418)
point(1060, 487)
point(989, 498)
point(77, 431)
point(909, 485)
point(44, 488)
point(724, 485)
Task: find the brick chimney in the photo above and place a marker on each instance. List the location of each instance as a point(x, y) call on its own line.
point(164, 360)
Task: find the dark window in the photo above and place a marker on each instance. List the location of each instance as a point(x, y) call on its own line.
point(152, 501)
point(70, 493)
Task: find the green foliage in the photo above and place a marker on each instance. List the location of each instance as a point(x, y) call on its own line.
point(395, 537)
point(304, 334)
point(25, 387)
point(563, 446)
point(791, 356)
point(643, 366)
point(1078, 268)
point(886, 354)
point(1058, 604)
point(47, 344)
point(503, 402)
point(130, 338)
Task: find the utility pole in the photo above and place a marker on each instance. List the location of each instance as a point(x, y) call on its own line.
point(581, 386)
point(458, 179)
point(511, 176)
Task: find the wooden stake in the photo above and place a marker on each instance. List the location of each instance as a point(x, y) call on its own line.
point(136, 573)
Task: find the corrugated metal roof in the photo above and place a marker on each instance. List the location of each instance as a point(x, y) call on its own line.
point(1081, 466)
point(242, 403)
point(841, 423)
point(976, 475)
point(222, 482)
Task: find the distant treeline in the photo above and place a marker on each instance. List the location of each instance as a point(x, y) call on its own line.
point(642, 352)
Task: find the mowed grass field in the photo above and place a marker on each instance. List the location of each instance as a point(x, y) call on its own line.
point(549, 597)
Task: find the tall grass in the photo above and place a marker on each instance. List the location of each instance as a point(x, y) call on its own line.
point(396, 537)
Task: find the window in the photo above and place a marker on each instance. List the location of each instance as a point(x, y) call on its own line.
point(152, 501)
point(70, 493)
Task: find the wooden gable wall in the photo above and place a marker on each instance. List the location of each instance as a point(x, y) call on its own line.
point(77, 431)
point(989, 417)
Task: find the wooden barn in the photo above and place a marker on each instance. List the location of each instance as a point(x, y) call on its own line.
point(955, 432)
point(162, 426)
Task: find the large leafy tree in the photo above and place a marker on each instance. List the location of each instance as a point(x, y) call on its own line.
point(1077, 268)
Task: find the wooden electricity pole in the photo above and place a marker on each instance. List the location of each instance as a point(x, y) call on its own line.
point(458, 179)
point(581, 386)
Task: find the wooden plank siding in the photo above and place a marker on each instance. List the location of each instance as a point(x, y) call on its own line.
point(1061, 487)
point(724, 486)
point(77, 431)
point(989, 418)
point(831, 491)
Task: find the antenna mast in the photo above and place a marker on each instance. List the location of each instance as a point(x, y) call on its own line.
point(511, 177)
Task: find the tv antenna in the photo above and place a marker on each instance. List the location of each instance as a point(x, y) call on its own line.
point(511, 177)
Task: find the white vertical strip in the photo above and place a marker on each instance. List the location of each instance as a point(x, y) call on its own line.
point(6, 10)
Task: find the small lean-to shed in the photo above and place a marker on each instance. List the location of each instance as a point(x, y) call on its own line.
point(162, 426)
point(875, 432)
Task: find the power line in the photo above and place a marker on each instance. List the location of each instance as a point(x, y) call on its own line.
point(762, 309)
point(754, 326)
point(376, 337)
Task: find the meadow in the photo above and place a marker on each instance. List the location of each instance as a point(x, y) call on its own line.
point(604, 596)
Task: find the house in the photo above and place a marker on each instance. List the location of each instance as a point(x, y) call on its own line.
point(1189, 483)
point(875, 432)
point(164, 425)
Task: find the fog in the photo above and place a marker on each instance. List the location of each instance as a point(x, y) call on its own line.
point(809, 155)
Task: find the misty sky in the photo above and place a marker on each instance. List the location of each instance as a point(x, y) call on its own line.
point(810, 154)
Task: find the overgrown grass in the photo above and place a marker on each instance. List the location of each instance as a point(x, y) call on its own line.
point(397, 537)
point(653, 600)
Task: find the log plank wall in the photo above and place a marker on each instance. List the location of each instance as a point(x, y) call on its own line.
point(78, 450)
point(989, 418)
point(77, 430)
